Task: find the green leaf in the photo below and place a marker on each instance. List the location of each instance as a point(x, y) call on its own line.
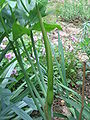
point(48, 27)
point(42, 2)
point(12, 3)
point(38, 118)
point(59, 115)
point(1, 29)
point(56, 61)
point(7, 73)
point(77, 114)
point(5, 95)
point(33, 13)
point(21, 96)
point(5, 117)
point(5, 111)
point(2, 55)
point(1, 2)
point(71, 117)
point(9, 78)
point(77, 106)
point(79, 82)
point(25, 5)
point(21, 113)
point(69, 90)
point(30, 102)
point(18, 31)
point(4, 92)
point(61, 53)
point(37, 61)
point(72, 111)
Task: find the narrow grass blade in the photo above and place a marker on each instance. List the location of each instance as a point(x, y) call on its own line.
point(58, 65)
point(21, 113)
point(38, 65)
point(61, 53)
point(77, 106)
point(7, 73)
point(59, 115)
point(33, 68)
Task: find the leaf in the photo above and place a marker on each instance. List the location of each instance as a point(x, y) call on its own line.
point(7, 73)
point(1, 28)
point(77, 114)
point(12, 3)
point(2, 35)
point(38, 118)
point(21, 113)
point(20, 76)
point(77, 106)
point(2, 55)
point(5, 95)
point(33, 13)
point(28, 5)
point(6, 110)
point(71, 117)
point(4, 92)
point(28, 9)
point(61, 53)
point(1, 2)
point(73, 111)
point(5, 117)
point(6, 15)
point(56, 61)
point(42, 2)
point(30, 102)
point(79, 82)
point(21, 96)
point(70, 90)
point(59, 115)
point(9, 78)
point(48, 27)
point(19, 30)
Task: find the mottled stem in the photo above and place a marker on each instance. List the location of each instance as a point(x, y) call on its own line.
point(49, 98)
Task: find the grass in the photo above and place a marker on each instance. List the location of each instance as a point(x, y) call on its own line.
point(68, 11)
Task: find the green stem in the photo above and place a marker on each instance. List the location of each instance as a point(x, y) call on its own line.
point(49, 99)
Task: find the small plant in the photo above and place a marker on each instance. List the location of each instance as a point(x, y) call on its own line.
point(71, 10)
point(84, 44)
point(35, 85)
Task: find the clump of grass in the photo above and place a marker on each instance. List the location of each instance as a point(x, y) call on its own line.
point(71, 10)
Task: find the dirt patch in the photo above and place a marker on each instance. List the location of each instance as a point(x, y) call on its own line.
point(60, 107)
point(68, 35)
